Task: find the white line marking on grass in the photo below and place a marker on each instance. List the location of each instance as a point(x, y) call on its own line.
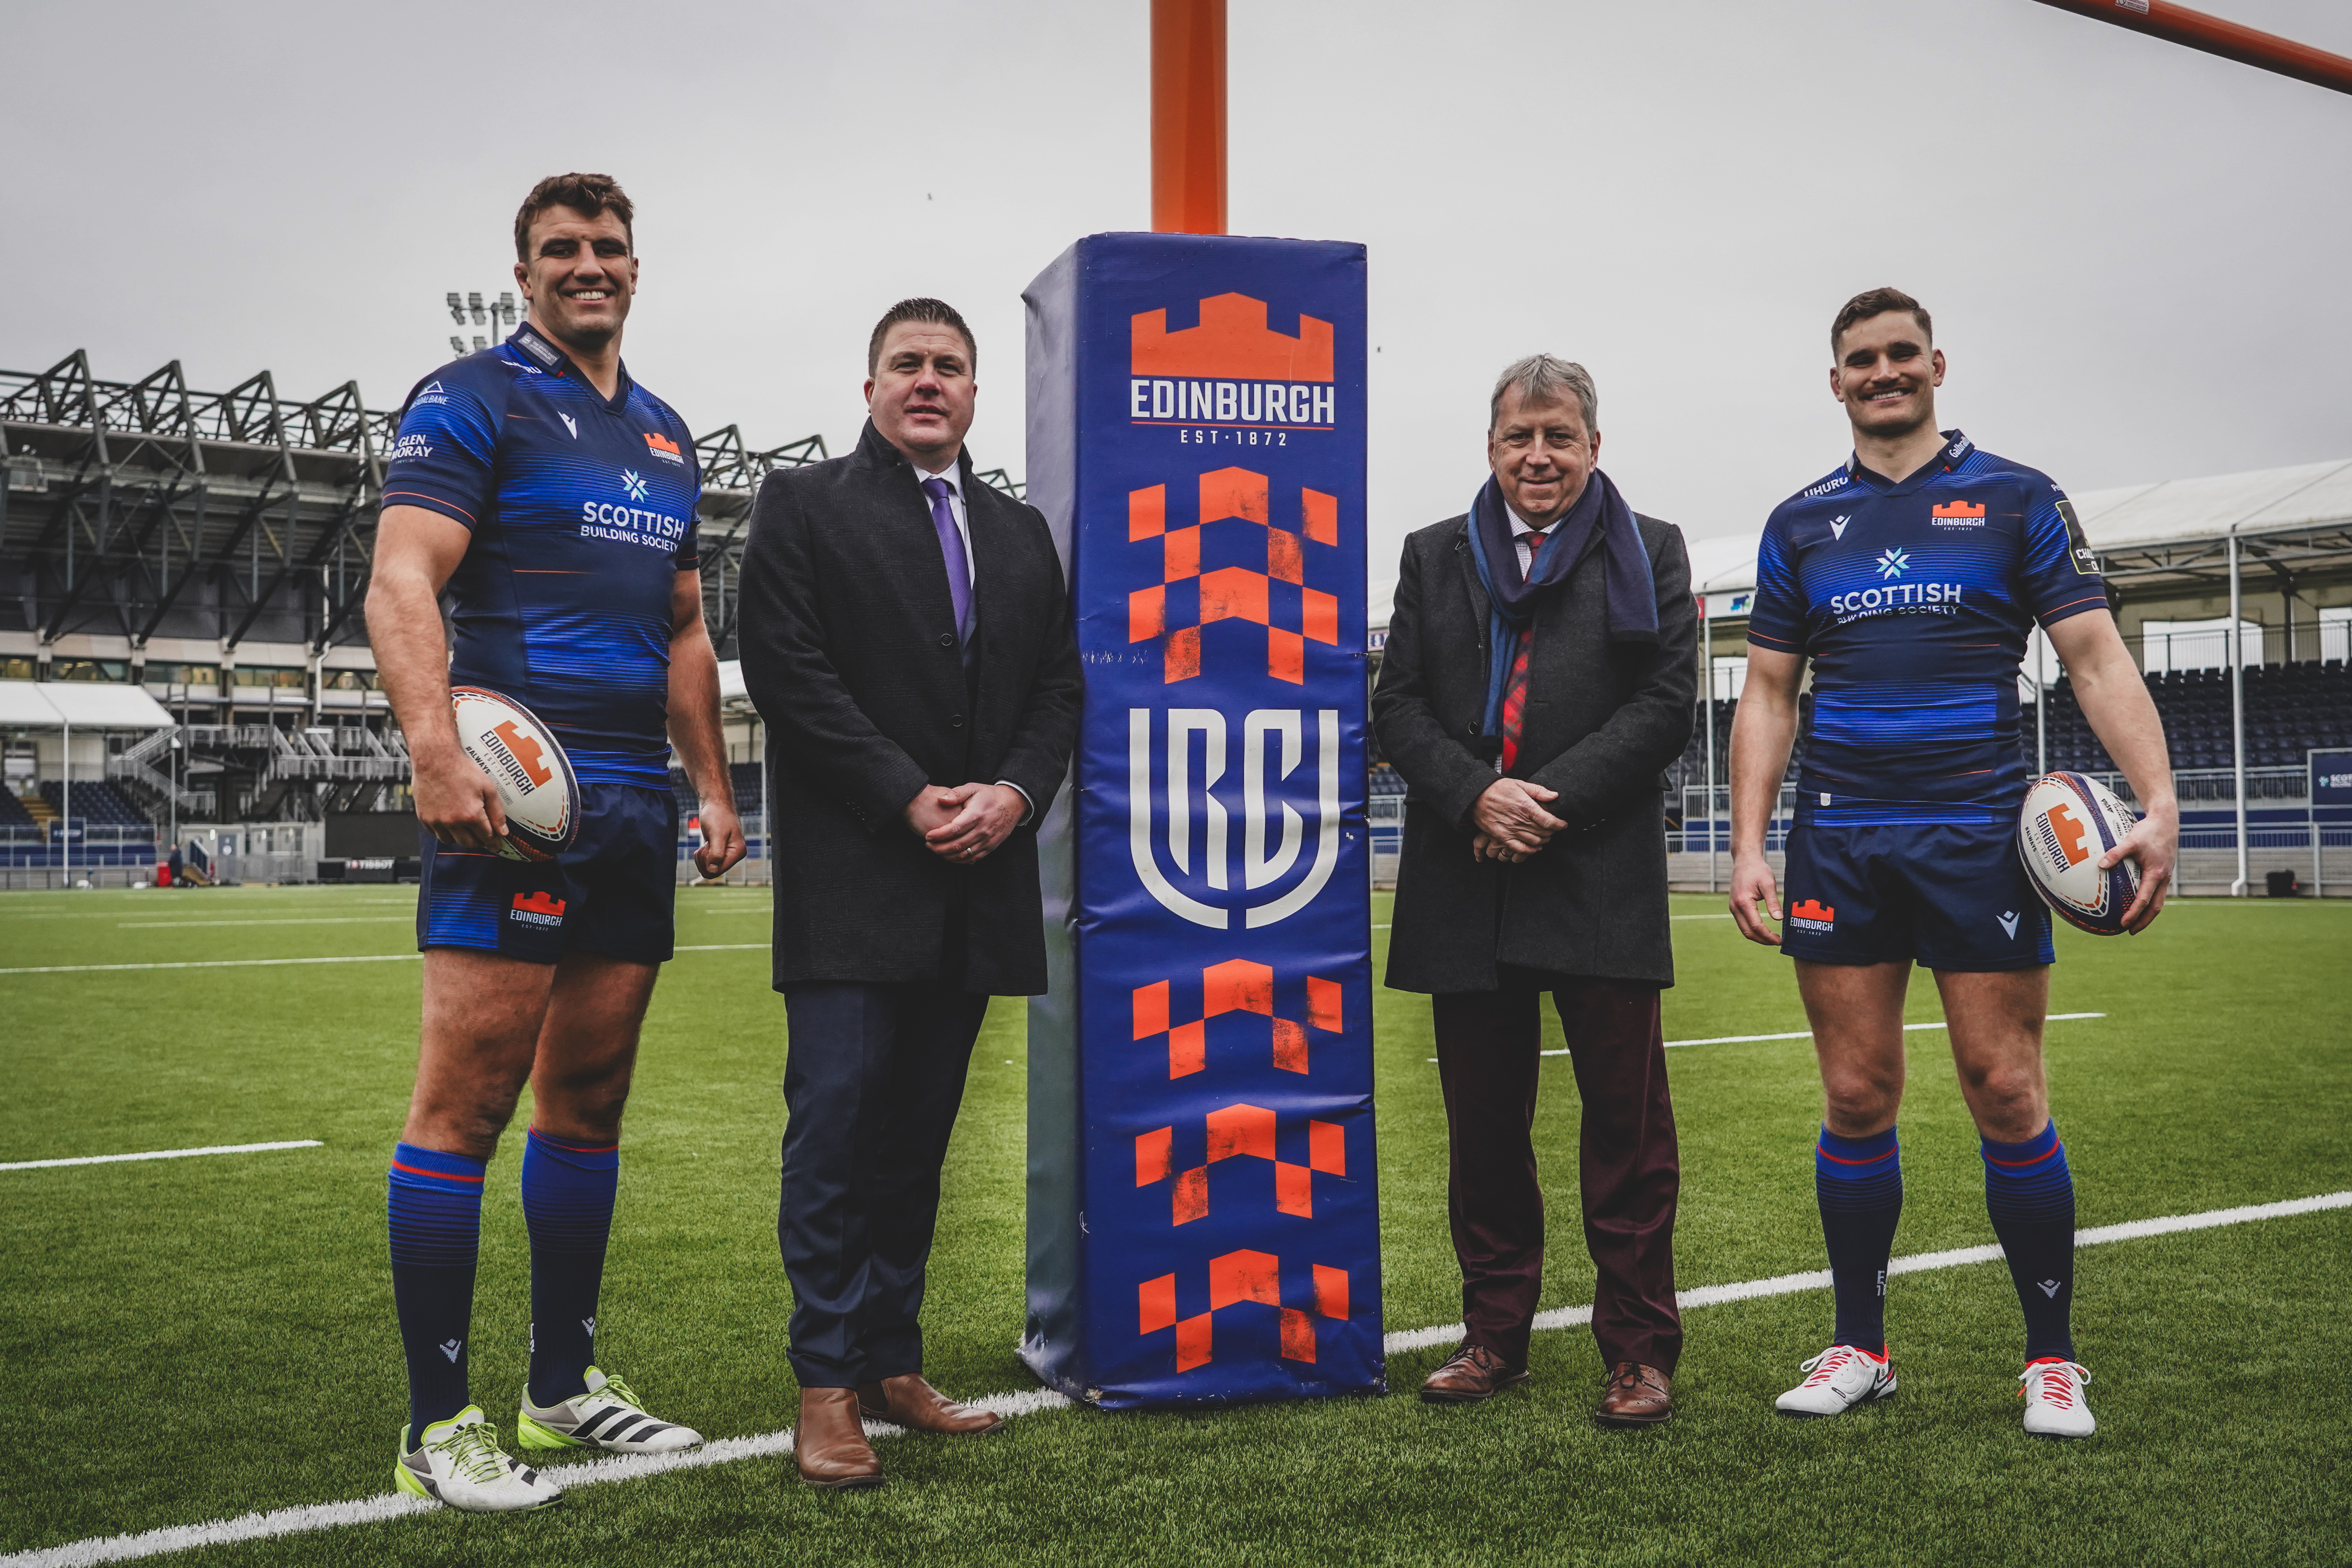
point(1028, 1402)
point(302, 921)
point(118, 909)
point(1917, 1263)
point(258, 962)
point(162, 1154)
point(216, 963)
point(1799, 1033)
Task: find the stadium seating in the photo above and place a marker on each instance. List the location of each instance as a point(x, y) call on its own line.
point(2291, 709)
point(96, 803)
point(13, 813)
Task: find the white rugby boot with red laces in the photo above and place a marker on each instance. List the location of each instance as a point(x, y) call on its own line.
point(2053, 1393)
point(1837, 1380)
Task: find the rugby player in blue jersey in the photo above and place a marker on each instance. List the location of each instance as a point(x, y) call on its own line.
point(553, 500)
point(1911, 578)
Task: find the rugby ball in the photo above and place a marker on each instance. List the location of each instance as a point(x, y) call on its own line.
point(2068, 823)
point(527, 763)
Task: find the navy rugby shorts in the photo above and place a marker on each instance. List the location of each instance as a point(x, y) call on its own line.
point(1944, 895)
point(612, 893)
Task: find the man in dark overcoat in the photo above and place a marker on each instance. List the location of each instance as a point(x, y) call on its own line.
point(904, 636)
point(1538, 679)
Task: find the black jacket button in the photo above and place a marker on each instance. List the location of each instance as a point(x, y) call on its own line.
point(1471, 729)
point(956, 722)
point(946, 639)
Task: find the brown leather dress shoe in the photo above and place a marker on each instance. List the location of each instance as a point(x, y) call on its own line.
point(1637, 1396)
point(829, 1446)
point(1475, 1373)
point(915, 1404)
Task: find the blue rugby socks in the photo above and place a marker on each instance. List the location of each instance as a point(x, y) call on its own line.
point(434, 1207)
point(567, 1202)
point(2029, 1193)
point(1859, 1182)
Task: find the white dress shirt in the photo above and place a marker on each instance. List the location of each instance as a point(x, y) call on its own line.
point(953, 475)
point(1522, 532)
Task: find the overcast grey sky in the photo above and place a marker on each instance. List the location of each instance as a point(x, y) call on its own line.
point(2138, 256)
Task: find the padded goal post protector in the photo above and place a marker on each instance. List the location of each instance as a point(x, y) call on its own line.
point(1203, 1216)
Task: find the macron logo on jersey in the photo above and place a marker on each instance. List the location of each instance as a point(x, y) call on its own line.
point(1837, 526)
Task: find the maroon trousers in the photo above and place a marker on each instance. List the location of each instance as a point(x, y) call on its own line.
point(1488, 1045)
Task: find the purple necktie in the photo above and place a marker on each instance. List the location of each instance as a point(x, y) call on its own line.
point(952, 547)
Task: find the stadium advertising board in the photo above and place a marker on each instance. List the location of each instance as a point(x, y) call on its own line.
point(1202, 1218)
point(2331, 778)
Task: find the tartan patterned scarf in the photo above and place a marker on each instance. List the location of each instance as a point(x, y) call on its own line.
point(1512, 597)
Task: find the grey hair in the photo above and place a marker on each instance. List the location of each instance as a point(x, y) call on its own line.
point(1542, 378)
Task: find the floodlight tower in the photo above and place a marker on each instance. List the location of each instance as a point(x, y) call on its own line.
point(499, 316)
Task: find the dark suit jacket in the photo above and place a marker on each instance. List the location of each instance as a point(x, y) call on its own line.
point(1602, 722)
point(849, 651)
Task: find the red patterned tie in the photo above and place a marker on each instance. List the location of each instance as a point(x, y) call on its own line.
point(1515, 690)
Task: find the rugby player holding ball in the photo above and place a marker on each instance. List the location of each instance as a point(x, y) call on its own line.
point(1912, 578)
point(553, 499)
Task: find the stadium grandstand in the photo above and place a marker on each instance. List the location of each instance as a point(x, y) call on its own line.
point(2269, 550)
point(211, 550)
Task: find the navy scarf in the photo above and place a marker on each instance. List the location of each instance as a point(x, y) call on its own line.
point(1512, 597)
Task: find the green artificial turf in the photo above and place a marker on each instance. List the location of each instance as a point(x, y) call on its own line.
point(192, 1340)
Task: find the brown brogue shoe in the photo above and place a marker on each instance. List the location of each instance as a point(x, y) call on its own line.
point(1475, 1373)
point(1637, 1396)
point(829, 1446)
point(909, 1401)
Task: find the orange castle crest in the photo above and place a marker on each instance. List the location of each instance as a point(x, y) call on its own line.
point(1234, 340)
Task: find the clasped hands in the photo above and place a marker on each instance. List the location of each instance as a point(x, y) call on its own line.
point(965, 824)
point(1511, 821)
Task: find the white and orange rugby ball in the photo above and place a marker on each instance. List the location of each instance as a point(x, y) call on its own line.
point(525, 760)
point(2068, 823)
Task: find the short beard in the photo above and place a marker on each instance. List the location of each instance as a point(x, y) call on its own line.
point(588, 339)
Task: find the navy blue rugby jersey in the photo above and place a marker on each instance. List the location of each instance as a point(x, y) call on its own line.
point(582, 510)
point(1914, 602)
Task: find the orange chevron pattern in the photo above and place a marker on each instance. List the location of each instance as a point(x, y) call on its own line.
point(1233, 1277)
point(1234, 593)
point(1236, 985)
point(1240, 1129)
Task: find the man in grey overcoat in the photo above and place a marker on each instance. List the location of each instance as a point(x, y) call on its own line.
point(1538, 681)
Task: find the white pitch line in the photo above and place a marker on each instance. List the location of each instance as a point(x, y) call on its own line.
point(216, 963)
point(299, 921)
point(1026, 1402)
point(354, 958)
point(162, 1154)
point(1807, 1035)
point(257, 901)
point(1917, 1263)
